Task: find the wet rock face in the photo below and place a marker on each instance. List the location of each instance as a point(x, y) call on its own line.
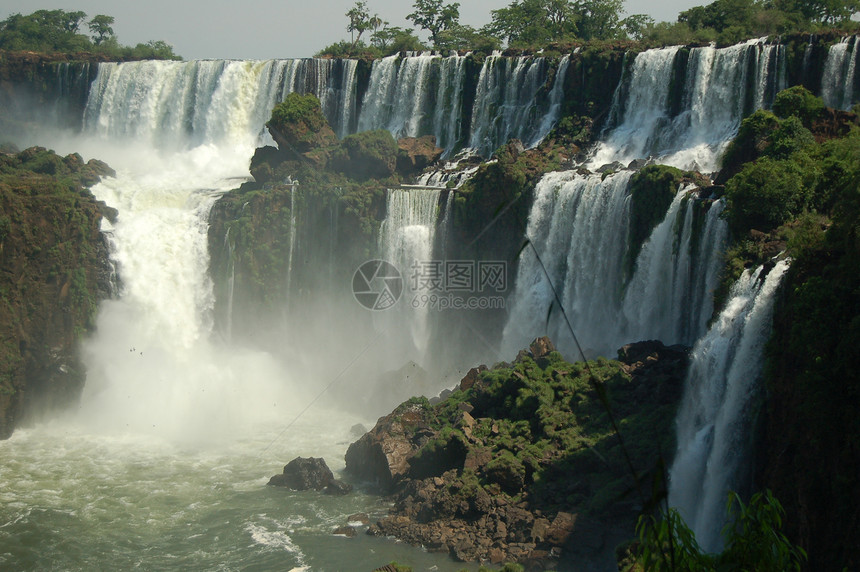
point(54, 270)
point(381, 456)
point(309, 473)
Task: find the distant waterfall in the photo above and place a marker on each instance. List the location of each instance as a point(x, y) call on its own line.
point(415, 96)
point(506, 103)
point(720, 86)
point(715, 418)
point(423, 95)
point(579, 225)
point(407, 236)
point(190, 103)
point(838, 77)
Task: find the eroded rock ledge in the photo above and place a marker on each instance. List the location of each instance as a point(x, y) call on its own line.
point(520, 463)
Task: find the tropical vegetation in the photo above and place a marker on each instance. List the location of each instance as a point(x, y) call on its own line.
point(50, 31)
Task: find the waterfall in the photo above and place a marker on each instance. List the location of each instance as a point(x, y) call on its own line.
point(579, 225)
point(293, 190)
point(415, 96)
point(506, 103)
point(556, 98)
point(718, 91)
point(185, 104)
point(406, 240)
point(837, 79)
point(231, 286)
point(716, 416)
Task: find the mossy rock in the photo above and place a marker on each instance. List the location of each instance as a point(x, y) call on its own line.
point(652, 190)
point(298, 125)
point(367, 155)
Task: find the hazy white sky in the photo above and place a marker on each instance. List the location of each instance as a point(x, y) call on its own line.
point(263, 29)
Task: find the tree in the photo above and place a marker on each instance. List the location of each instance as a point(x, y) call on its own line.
point(599, 19)
point(433, 16)
point(393, 39)
point(531, 22)
point(100, 25)
point(468, 38)
point(361, 21)
point(72, 21)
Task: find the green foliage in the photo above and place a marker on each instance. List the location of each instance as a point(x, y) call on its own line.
point(101, 27)
point(459, 37)
point(753, 540)
point(366, 155)
point(60, 31)
point(534, 23)
point(393, 39)
point(799, 102)
point(434, 16)
point(361, 21)
point(765, 195)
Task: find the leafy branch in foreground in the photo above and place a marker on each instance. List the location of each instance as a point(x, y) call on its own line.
point(753, 540)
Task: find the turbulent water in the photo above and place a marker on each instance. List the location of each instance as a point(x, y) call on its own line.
point(721, 86)
point(578, 226)
point(838, 78)
point(716, 417)
point(164, 463)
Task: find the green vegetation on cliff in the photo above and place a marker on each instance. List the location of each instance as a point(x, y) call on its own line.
point(792, 180)
point(52, 275)
point(781, 175)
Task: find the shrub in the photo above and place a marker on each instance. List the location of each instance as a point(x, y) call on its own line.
point(765, 195)
point(799, 102)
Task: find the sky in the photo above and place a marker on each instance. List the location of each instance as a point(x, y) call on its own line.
point(264, 29)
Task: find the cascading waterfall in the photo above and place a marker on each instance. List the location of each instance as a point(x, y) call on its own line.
point(669, 295)
point(199, 102)
point(717, 93)
point(406, 240)
point(579, 224)
point(506, 105)
point(715, 418)
point(837, 79)
point(414, 96)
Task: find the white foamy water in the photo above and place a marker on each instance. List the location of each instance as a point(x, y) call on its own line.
point(715, 419)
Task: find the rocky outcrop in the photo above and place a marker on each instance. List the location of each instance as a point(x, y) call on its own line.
point(302, 474)
point(417, 153)
point(299, 126)
point(54, 270)
point(516, 464)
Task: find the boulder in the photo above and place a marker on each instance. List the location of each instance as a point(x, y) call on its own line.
point(471, 377)
point(338, 488)
point(347, 531)
point(366, 155)
point(382, 455)
point(298, 125)
point(417, 153)
point(302, 474)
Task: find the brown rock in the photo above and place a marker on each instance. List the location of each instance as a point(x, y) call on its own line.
point(302, 474)
point(417, 153)
point(471, 377)
point(561, 528)
point(361, 517)
point(382, 454)
point(347, 531)
point(541, 347)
